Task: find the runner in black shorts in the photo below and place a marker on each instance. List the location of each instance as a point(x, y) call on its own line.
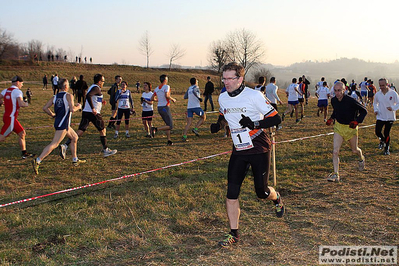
point(248, 113)
point(91, 113)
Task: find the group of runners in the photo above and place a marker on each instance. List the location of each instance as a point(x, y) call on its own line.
point(247, 112)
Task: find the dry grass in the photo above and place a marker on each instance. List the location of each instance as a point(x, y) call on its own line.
point(177, 215)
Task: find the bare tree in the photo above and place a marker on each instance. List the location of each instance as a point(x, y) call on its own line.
point(261, 72)
point(175, 53)
point(34, 49)
point(244, 47)
point(145, 47)
point(6, 43)
point(218, 55)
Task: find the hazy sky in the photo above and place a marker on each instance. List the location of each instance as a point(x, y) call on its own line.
point(291, 30)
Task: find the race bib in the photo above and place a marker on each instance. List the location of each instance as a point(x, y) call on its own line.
point(241, 139)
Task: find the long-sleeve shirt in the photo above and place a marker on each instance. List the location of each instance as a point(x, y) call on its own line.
point(382, 101)
point(271, 93)
point(347, 110)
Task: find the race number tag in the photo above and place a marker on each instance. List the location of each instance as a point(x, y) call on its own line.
point(241, 139)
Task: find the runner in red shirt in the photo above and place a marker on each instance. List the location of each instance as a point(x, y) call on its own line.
point(13, 100)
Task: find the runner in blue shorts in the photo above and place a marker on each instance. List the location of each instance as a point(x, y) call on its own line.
point(193, 107)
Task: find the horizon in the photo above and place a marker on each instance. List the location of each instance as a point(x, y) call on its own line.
point(288, 36)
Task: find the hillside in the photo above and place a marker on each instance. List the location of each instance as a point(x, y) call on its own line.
point(34, 72)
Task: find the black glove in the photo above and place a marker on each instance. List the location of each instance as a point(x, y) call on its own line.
point(353, 124)
point(141, 100)
point(200, 99)
point(215, 127)
point(246, 122)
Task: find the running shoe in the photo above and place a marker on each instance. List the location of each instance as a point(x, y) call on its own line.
point(27, 155)
point(78, 162)
point(148, 136)
point(298, 120)
point(333, 177)
point(170, 143)
point(35, 166)
point(228, 240)
point(116, 135)
point(127, 135)
point(63, 149)
point(386, 151)
point(184, 139)
point(362, 164)
point(153, 131)
point(109, 152)
point(280, 209)
point(195, 132)
point(381, 145)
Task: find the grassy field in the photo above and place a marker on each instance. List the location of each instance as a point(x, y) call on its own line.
point(176, 216)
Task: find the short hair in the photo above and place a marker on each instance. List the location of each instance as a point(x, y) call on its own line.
point(97, 78)
point(294, 80)
point(208, 77)
point(125, 83)
point(162, 78)
point(149, 85)
point(339, 83)
point(261, 80)
point(300, 79)
point(81, 77)
point(324, 83)
point(239, 69)
point(193, 81)
point(322, 78)
point(383, 79)
point(62, 83)
point(117, 76)
point(272, 79)
point(365, 78)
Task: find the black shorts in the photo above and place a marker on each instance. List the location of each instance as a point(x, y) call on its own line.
point(88, 117)
point(301, 100)
point(147, 115)
point(238, 167)
point(122, 112)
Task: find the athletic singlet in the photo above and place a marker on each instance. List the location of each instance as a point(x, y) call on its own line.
point(124, 99)
point(97, 101)
point(146, 106)
point(10, 101)
point(61, 110)
point(323, 93)
point(292, 93)
point(363, 86)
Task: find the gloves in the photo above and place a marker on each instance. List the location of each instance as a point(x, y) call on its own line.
point(200, 99)
point(215, 127)
point(246, 122)
point(329, 122)
point(353, 124)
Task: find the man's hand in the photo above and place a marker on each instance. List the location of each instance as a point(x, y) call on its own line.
point(353, 124)
point(329, 122)
point(246, 122)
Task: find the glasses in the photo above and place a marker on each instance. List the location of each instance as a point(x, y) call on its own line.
point(102, 80)
point(229, 79)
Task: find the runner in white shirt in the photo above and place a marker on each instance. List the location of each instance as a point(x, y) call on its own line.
point(292, 93)
point(248, 113)
point(162, 96)
point(364, 90)
point(125, 107)
point(193, 107)
point(386, 103)
point(320, 83)
point(271, 93)
point(148, 110)
point(323, 93)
